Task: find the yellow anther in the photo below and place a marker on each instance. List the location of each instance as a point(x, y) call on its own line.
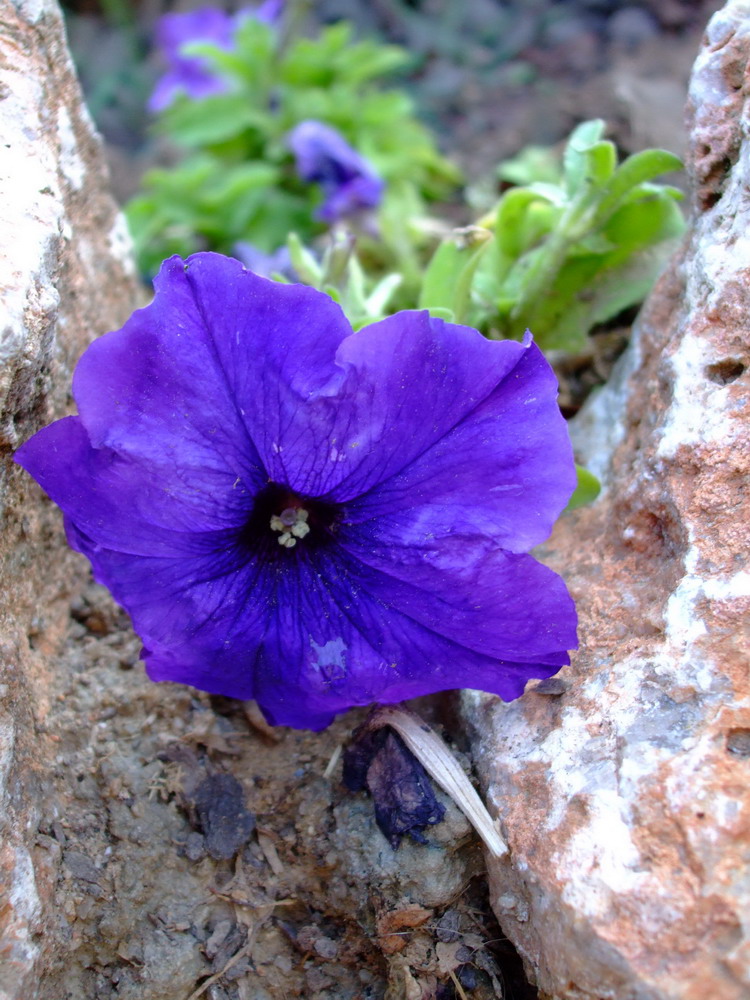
point(292, 523)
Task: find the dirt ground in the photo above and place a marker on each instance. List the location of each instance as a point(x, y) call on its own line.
point(198, 853)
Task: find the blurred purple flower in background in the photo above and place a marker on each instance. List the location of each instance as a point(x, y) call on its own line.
point(313, 517)
point(265, 264)
point(189, 74)
point(349, 183)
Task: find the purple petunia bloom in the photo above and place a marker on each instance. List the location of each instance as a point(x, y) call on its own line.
point(265, 264)
point(311, 517)
point(190, 74)
point(349, 183)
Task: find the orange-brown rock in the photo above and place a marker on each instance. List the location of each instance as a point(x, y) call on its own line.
point(65, 276)
point(625, 800)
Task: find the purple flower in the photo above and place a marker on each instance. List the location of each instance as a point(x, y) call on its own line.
point(405, 801)
point(315, 518)
point(264, 264)
point(324, 157)
point(190, 74)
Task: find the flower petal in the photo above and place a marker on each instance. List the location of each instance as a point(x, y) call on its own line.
point(436, 459)
point(341, 638)
point(328, 413)
point(224, 367)
point(349, 182)
point(155, 391)
point(470, 591)
point(402, 384)
point(202, 619)
point(501, 469)
point(307, 643)
point(192, 75)
point(124, 504)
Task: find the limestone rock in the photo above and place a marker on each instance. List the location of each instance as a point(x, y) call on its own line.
point(65, 277)
point(625, 800)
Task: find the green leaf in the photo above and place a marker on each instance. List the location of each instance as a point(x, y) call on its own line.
point(514, 206)
point(440, 313)
point(250, 61)
point(309, 270)
point(575, 159)
point(447, 280)
point(227, 185)
point(380, 296)
point(533, 164)
point(212, 119)
point(587, 489)
point(366, 61)
point(647, 219)
point(308, 62)
point(601, 160)
point(637, 169)
point(592, 289)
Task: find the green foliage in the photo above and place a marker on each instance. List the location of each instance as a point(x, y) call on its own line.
point(576, 240)
point(564, 254)
point(236, 180)
point(341, 275)
point(446, 287)
point(587, 489)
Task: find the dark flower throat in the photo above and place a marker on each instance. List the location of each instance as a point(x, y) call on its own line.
point(273, 504)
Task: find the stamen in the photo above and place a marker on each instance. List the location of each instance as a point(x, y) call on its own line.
point(292, 523)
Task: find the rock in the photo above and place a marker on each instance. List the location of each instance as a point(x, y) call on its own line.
point(66, 276)
point(625, 800)
point(219, 805)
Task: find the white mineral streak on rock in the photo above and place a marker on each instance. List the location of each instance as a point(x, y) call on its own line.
point(71, 163)
point(32, 10)
point(600, 427)
point(700, 412)
point(33, 216)
point(61, 284)
point(120, 244)
point(7, 743)
point(625, 802)
point(23, 896)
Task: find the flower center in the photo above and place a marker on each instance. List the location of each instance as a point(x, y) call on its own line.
point(292, 523)
point(280, 518)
